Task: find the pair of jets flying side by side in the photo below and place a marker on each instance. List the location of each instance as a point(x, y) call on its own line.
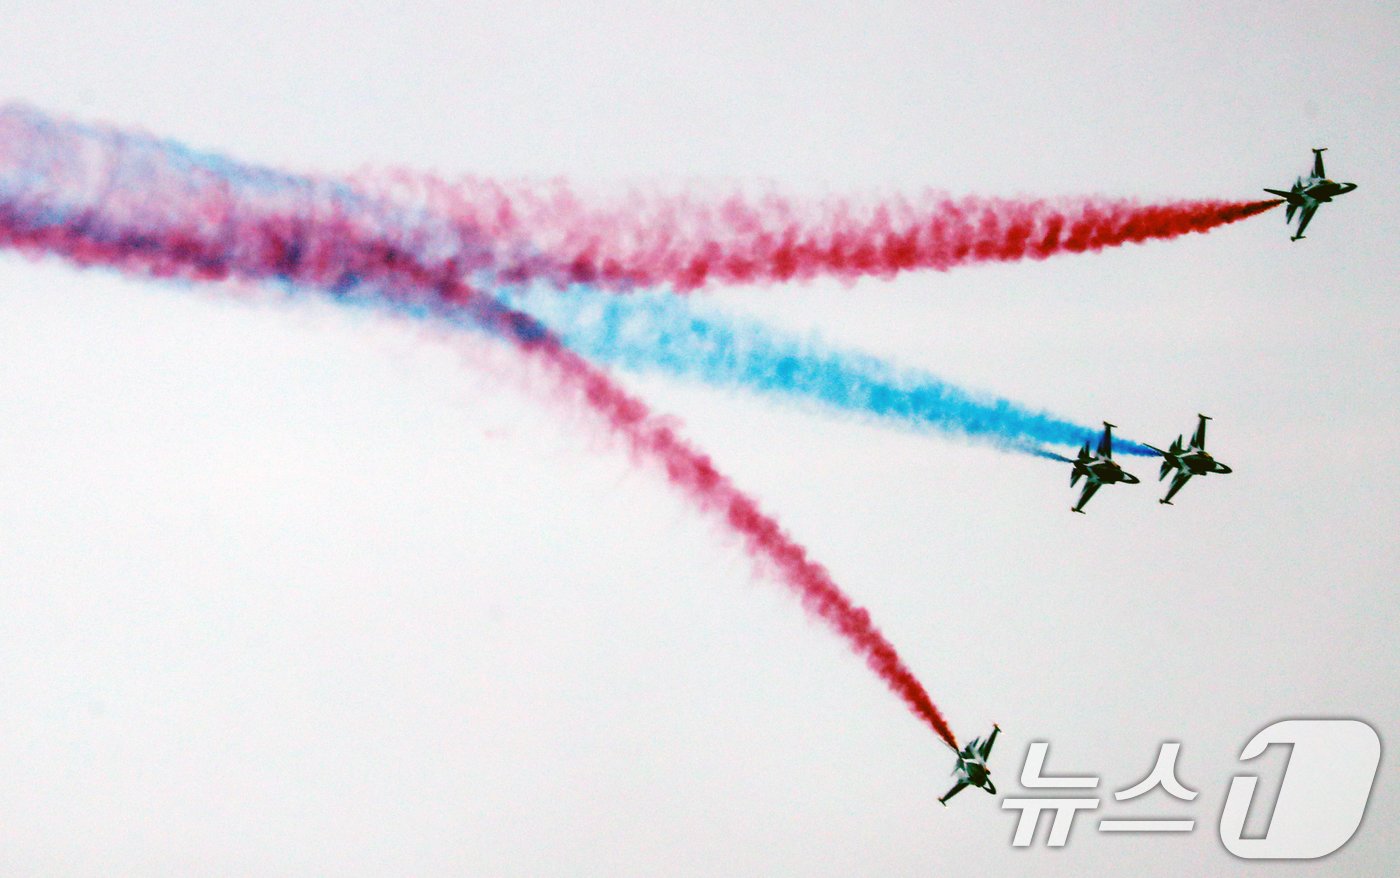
point(1098, 468)
point(1309, 192)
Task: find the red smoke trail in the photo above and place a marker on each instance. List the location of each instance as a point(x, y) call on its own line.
point(99, 197)
point(696, 476)
point(688, 242)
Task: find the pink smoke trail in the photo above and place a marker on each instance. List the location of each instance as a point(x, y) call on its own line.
point(689, 241)
point(100, 197)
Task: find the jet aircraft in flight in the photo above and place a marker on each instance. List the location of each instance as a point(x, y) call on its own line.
point(1309, 192)
point(1192, 460)
point(1097, 469)
point(972, 769)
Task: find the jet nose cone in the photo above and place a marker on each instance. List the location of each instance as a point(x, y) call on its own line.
point(1129, 478)
point(1222, 468)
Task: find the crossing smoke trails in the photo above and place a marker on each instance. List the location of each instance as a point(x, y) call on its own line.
point(688, 241)
point(99, 197)
point(662, 333)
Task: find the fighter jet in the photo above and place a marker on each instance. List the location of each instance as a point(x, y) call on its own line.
point(1193, 460)
point(972, 769)
point(1098, 469)
point(1307, 193)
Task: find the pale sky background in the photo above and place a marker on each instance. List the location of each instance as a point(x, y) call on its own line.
point(287, 589)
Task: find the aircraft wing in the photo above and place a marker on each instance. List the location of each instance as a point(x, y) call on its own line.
point(1106, 443)
point(986, 749)
point(1317, 163)
point(1199, 439)
point(1089, 488)
point(957, 788)
point(1304, 217)
point(1178, 481)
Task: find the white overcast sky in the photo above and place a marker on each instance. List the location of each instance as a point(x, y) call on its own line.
point(291, 590)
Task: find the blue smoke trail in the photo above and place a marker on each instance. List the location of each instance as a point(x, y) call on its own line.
point(674, 335)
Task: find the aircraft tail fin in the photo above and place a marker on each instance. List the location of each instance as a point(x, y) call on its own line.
point(1168, 459)
point(1106, 442)
point(1291, 197)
